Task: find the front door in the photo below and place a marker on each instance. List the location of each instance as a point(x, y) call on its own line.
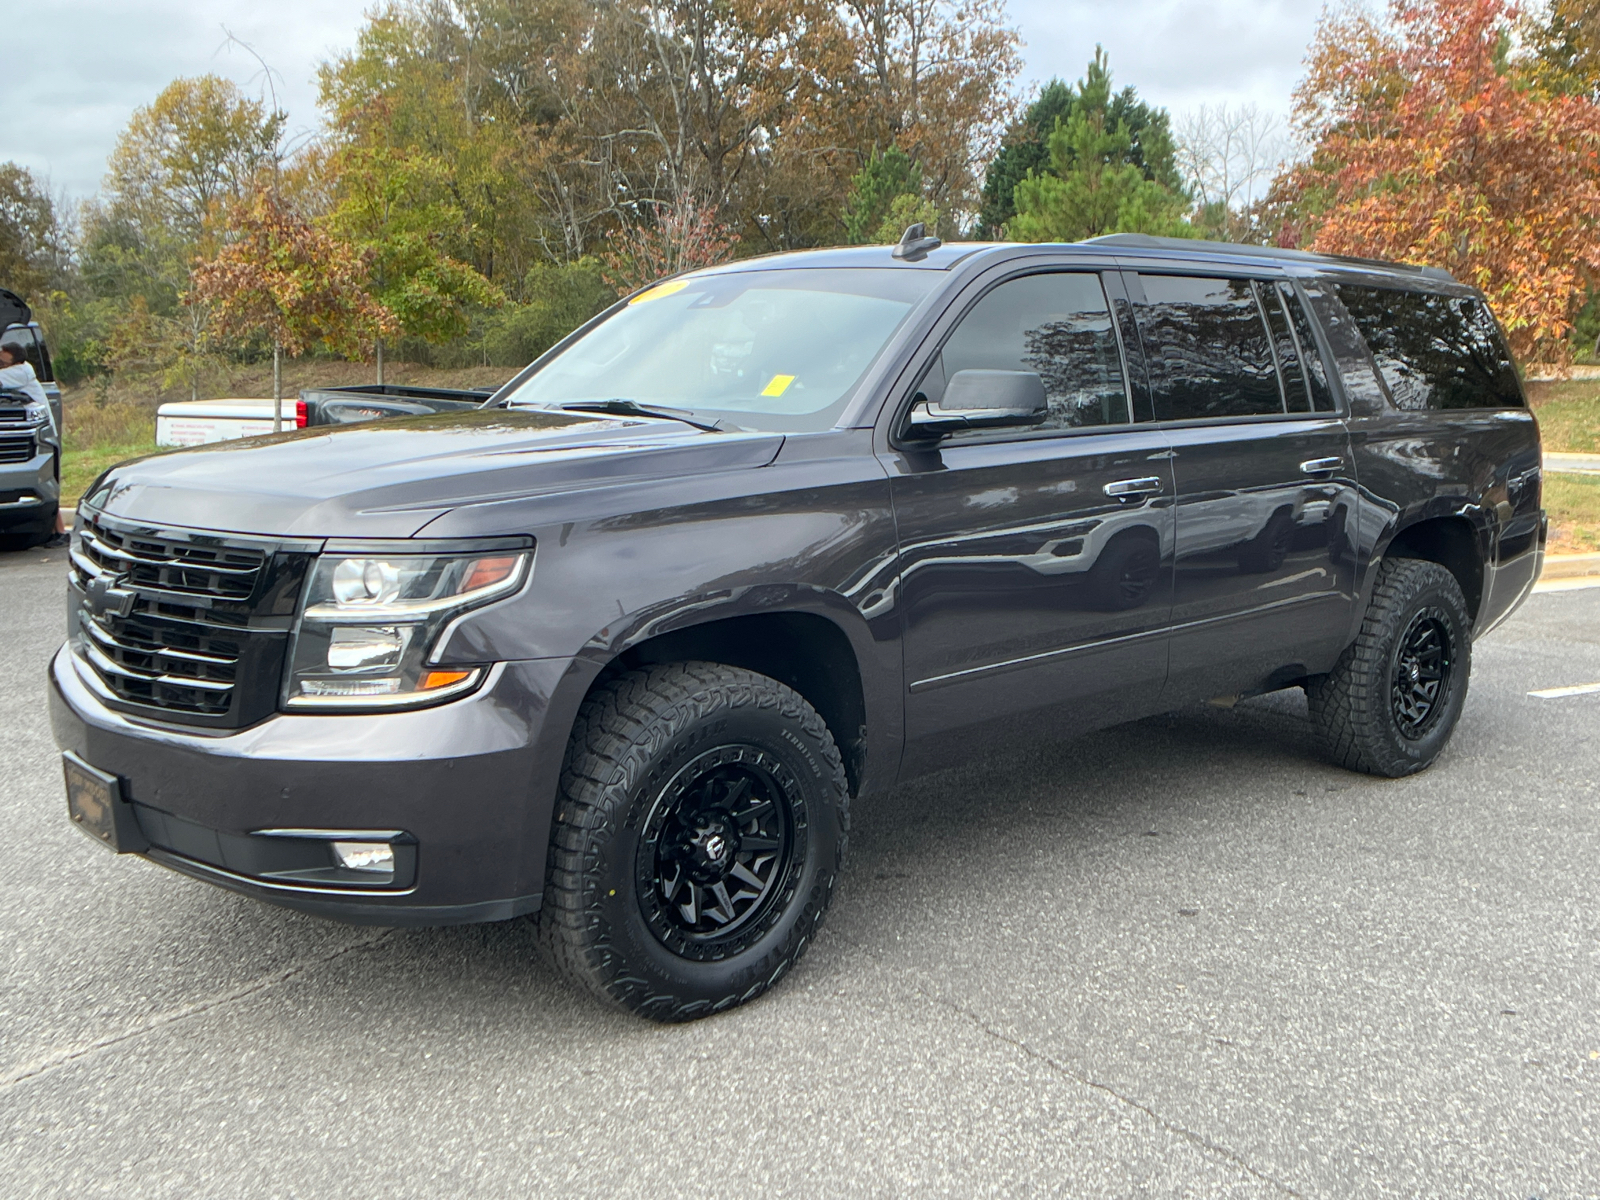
point(1264, 579)
point(1034, 567)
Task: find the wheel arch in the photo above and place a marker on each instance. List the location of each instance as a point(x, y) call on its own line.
point(803, 650)
point(1454, 544)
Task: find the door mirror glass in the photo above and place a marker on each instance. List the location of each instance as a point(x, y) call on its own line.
point(981, 399)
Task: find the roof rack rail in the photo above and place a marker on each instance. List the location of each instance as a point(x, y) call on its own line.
point(1146, 241)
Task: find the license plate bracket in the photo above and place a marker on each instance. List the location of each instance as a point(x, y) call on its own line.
point(95, 805)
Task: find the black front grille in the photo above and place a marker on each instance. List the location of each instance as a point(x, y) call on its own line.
point(15, 449)
point(188, 626)
point(181, 567)
point(162, 664)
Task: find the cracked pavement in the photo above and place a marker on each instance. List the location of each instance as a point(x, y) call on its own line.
point(1181, 957)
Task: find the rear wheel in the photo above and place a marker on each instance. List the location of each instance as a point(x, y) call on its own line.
point(701, 827)
point(1391, 703)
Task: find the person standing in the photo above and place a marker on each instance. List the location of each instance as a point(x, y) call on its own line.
point(17, 374)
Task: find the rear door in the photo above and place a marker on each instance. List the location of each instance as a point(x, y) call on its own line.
point(1034, 571)
point(1263, 580)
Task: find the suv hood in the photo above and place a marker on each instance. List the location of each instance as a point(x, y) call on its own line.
point(390, 478)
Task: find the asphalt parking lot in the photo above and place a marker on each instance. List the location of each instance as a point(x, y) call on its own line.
point(1178, 958)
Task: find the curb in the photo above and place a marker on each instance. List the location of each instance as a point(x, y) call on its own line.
point(1574, 464)
point(1570, 566)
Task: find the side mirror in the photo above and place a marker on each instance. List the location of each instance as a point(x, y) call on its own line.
point(980, 400)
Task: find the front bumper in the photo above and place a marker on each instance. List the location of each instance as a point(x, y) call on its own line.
point(458, 783)
point(30, 494)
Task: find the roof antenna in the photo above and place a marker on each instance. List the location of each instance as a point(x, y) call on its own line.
point(915, 244)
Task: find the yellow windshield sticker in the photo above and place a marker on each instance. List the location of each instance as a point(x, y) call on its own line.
point(660, 290)
point(778, 386)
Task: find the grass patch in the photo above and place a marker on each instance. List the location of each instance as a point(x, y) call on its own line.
point(1573, 502)
point(80, 468)
point(1569, 414)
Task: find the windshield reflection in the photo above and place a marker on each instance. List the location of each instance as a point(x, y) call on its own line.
point(778, 350)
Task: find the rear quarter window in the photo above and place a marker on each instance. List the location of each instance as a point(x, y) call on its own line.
point(1434, 352)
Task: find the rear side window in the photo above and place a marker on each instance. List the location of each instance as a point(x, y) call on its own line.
point(1434, 352)
point(1208, 349)
point(1362, 388)
point(1057, 325)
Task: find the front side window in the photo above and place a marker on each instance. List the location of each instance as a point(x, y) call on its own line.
point(1057, 326)
point(1433, 351)
point(1208, 348)
point(777, 350)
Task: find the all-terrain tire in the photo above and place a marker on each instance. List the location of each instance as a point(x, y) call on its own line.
point(611, 926)
point(1366, 709)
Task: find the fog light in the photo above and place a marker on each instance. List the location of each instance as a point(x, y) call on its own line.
point(375, 858)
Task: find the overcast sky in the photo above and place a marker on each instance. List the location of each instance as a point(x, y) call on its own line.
point(76, 69)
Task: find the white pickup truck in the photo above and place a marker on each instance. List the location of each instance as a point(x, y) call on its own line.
point(200, 422)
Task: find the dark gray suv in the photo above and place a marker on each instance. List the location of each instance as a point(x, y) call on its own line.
point(617, 650)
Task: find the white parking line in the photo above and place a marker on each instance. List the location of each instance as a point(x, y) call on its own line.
point(1582, 689)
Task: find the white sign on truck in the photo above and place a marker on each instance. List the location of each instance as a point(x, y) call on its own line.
point(198, 422)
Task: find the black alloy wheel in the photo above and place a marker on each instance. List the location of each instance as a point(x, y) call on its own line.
point(1421, 673)
point(715, 849)
point(700, 828)
point(1392, 700)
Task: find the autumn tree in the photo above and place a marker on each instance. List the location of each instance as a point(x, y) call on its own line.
point(1094, 184)
point(196, 147)
point(681, 237)
point(1429, 148)
point(394, 207)
point(180, 165)
point(1563, 40)
point(283, 279)
point(34, 256)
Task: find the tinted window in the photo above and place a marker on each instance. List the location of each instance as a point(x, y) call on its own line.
point(1310, 356)
point(1434, 352)
point(1296, 395)
point(1208, 349)
point(1362, 388)
point(1058, 326)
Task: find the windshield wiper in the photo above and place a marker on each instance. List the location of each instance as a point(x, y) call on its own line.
point(632, 408)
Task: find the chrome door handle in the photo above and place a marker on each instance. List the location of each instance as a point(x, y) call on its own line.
point(1133, 489)
point(1321, 466)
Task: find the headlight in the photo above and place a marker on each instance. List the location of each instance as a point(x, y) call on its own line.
point(371, 624)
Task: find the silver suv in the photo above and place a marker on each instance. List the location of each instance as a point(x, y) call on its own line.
point(30, 435)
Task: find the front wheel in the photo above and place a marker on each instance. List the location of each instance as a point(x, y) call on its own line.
point(1391, 702)
point(701, 827)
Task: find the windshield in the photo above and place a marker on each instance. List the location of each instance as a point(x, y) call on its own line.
point(774, 350)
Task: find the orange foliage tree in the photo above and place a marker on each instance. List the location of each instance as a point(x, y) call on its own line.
point(1431, 147)
point(283, 279)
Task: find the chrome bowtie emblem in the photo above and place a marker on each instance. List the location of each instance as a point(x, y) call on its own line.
point(105, 596)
